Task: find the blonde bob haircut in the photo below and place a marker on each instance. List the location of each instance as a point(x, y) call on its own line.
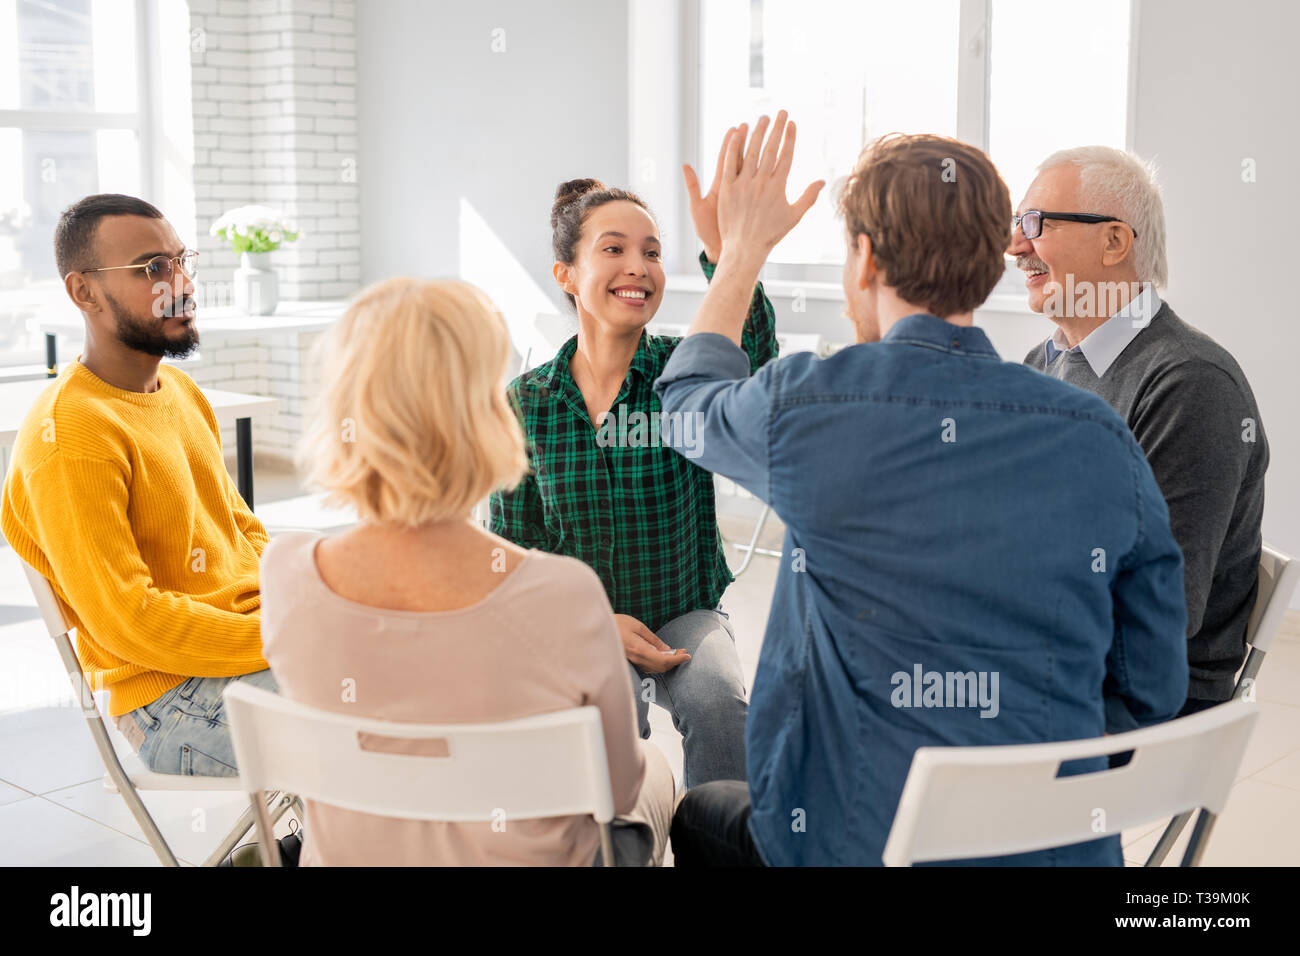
point(412, 424)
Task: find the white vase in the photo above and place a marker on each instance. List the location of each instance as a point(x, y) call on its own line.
point(257, 288)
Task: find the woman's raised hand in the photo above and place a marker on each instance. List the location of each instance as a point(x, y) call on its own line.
point(752, 212)
point(704, 209)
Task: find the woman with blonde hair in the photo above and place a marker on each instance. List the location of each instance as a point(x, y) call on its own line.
point(425, 615)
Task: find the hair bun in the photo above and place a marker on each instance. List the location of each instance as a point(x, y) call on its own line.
point(570, 192)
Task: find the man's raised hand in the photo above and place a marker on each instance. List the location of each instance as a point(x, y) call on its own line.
point(753, 214)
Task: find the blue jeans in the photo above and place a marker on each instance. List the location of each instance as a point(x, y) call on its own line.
point(706, 696)
point(185, 731)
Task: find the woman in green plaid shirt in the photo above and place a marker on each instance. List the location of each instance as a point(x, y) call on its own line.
point(606, 486)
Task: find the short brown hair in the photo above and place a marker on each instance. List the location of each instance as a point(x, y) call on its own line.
point(74, 235)
point(938, 216)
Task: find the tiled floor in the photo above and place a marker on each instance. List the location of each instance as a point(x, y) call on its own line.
point(55, 811)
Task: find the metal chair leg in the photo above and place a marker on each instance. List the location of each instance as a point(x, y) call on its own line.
point(99, 733)
point(246, 822)
point(1200, 837)
point(752, 548)
point(1202, 830)
point(606, 845)
point(265, 831)
point(1249, 670)
point(1168, 839)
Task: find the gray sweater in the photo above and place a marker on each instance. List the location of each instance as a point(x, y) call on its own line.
point(1192, 411)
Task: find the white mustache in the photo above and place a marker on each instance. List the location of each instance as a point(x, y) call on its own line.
point(1024, 263)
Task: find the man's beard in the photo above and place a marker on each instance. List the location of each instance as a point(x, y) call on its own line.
point(145, 333)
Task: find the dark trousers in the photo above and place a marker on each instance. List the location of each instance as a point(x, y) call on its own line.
point(711, 826)
point(1194, 705)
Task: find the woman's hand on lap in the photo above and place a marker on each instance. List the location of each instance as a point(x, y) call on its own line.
point(642, 647)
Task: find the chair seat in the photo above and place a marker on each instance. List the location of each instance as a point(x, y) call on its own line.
point(142, 778)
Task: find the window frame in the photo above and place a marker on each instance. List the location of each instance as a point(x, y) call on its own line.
point(974, 69)
point(144, 121)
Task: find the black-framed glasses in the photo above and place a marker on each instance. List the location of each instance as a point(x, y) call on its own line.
point(1031, 221)
point(160, 268)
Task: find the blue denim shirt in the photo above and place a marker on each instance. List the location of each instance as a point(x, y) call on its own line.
point(946, 512)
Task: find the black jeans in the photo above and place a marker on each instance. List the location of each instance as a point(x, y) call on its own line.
point(711, 826)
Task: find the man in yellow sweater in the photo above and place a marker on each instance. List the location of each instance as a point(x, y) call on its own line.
point(117, 493)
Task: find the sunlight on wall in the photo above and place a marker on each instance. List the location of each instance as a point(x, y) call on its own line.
point(488, 263)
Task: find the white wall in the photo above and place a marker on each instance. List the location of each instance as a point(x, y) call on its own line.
point(488, 105)
point(1217, 84)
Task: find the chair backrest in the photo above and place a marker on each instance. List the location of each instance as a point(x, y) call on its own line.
point(58, 623)
point(544, 766)
point(1278, 576)
point(52, 610)
point(965, 802)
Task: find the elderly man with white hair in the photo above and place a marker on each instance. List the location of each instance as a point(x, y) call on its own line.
point(1090, 237)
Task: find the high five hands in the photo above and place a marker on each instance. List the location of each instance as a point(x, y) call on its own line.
point(746, 214)
point(745, 206)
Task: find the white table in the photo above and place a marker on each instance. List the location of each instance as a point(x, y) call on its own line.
point(288, 317)
point(17, 397)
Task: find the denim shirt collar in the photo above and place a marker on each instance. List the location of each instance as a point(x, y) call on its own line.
point(932, 332)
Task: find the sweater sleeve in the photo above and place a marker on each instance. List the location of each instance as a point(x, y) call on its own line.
point(1146, 669)
point(1190, 424)
point(248, 524)
point(516, 514)
point(95, 559)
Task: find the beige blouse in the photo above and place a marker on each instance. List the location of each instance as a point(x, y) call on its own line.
point(543, 640)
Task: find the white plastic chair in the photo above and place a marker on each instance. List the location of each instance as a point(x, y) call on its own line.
point(126, 773)
point(1278, 576)
point(966, 802)
point(544, 766)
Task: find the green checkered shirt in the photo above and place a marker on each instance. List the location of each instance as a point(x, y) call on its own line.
point(640, 514)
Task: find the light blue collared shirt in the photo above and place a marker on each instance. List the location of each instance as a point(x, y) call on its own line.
point(1112, 337)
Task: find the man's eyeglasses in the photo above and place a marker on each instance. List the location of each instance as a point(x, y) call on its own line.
point(160, 268)
point(1031, 221)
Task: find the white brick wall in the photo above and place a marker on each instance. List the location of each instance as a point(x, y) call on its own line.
point(275, 122)
point(275, 364)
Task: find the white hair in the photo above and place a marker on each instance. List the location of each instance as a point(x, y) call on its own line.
point(1115, 183)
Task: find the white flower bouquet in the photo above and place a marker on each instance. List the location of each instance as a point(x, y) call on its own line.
point(255, 229)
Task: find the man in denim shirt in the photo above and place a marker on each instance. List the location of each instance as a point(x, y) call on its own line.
point(975, 553)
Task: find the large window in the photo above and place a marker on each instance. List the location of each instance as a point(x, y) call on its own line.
point(846, 70)
point(71, 123)
point(1020, 79)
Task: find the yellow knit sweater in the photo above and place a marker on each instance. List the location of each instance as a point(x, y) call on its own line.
point(122, 500)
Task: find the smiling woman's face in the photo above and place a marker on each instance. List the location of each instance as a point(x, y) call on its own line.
point(617, 276)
